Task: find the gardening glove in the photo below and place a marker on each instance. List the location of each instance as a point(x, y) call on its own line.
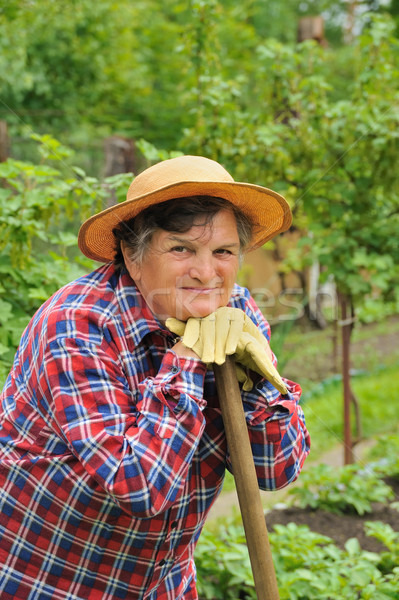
point(244, 378)
point(229, 331)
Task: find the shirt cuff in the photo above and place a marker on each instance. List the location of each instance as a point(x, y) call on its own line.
point(179, 376)
point(265, 401)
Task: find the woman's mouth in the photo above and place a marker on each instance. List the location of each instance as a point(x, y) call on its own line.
point(200, 291)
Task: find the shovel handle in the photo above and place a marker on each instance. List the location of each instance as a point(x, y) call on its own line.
point(246, 481)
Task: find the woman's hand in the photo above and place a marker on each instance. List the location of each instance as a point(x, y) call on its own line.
point(181, 350)
point(228, 331)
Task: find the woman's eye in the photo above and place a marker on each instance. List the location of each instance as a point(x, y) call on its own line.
point(178, 249)
point(223, 251)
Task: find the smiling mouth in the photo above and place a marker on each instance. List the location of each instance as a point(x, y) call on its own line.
point(200, 291)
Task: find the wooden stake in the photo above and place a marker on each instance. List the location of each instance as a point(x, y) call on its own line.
point(246, 481)
point(4, 141)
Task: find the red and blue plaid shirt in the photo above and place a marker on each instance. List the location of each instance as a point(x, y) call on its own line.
point(112, 449)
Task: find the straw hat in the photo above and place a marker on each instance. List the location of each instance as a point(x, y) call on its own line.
point(179, 177)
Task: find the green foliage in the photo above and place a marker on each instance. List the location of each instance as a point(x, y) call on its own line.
point(353, 203)
point(40, 209)
point(145, 69)
point(346, 490)
point(386, 455)
point(389, 559)
point(84, 68)
point(308, 566)
point(223, 564)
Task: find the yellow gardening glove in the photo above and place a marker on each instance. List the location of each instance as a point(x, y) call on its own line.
point(244, 378)
point(252, 354)
point(212, 337)
point(229, 331)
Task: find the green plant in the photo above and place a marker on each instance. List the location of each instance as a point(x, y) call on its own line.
point(223, 565)
point(309, 566)
point(41, 207)
point(385, 455)
point(384, 533)
point(345, 490)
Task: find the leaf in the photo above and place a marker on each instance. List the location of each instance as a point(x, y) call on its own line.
point(5, 311)
point(352, 547)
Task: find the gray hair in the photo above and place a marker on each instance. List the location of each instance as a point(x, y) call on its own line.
point(177, 215)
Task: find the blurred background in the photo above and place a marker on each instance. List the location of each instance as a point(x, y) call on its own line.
point(301, 97)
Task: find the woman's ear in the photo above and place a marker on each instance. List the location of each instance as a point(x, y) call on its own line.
point(132, 266)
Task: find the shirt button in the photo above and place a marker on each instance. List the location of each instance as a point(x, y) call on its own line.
point(174, 369)
point(174, 525)
point(162, 562)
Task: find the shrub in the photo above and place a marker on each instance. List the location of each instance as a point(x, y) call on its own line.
point(345, 490)
point(41, 207)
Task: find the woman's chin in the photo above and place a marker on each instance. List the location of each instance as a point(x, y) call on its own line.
point(198, 309)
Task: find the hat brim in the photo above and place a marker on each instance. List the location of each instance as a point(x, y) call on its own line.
point(269, 212)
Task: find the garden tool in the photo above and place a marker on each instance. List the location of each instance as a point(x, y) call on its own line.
point(246, 481)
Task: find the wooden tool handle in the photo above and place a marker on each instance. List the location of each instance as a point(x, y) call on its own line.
point(246, 481)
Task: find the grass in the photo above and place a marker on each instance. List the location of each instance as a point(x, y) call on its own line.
point(378, 395)
point(375, 382)
point(308, 356)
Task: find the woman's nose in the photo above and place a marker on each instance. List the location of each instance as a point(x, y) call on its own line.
point(202, 269)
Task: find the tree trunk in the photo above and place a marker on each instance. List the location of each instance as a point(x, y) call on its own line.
point(335, 344)
point(350, 22)
point(346, 328)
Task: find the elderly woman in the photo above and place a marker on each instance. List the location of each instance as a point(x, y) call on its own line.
point(112, 448)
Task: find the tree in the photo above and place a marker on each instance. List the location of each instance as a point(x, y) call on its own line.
point(335, 159)
point(41, 206)
point(347, 165)
point(85, 70)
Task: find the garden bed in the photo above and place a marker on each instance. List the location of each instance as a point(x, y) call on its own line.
point(340, 527)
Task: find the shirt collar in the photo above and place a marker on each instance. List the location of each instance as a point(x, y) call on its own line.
point(137, 317)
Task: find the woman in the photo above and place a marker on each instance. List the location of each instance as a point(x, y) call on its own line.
point(112, 448)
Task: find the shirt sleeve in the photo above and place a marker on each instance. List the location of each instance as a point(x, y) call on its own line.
point(138, 450)
point(279, 438)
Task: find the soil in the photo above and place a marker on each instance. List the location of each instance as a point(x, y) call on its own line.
point(340, 528)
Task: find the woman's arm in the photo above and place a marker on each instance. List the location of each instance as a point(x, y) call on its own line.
point(140, 451)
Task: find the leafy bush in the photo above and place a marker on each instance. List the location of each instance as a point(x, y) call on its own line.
point(41, 207)
point(345, 490)
point(223, 564)
point(310, 567)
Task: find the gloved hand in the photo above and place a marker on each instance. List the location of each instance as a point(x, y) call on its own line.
point(229, 331)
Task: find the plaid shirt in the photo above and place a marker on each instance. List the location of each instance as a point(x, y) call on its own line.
point(112, 449)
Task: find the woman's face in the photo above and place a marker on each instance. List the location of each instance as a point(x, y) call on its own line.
point(189, 274)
